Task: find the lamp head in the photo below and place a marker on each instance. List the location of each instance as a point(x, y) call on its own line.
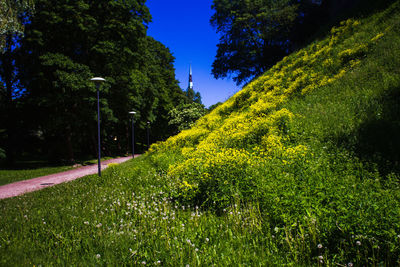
point(97, 80)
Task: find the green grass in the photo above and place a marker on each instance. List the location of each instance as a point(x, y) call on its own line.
point(9, 176)
point(124, 218)
point(25, 170)
point(271, 177)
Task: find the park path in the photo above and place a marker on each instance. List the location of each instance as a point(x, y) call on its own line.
point(22, 187)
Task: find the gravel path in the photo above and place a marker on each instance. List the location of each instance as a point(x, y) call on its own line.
point(22, 187)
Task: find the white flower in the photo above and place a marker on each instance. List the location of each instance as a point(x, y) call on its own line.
point(358, 243)
point(319, 246)
point(98, 256)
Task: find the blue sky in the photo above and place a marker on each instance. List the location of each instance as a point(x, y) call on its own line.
point(183, 26)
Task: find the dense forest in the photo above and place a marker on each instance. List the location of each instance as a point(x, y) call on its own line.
point(49, 55)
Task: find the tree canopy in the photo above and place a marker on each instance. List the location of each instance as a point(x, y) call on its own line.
point(255, 34)
point(185, 115)
point(68, 42)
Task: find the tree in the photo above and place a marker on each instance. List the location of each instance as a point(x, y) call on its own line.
point(185, 115)
point(12, 16)
point(193, 96)
point(255, 34)
point(67, 43)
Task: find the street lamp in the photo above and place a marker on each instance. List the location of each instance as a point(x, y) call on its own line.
point(133, 133)
point(148, 135)
point(98, 81)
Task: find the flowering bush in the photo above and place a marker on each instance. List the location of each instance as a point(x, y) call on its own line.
point(254, 150)
point(218, 165)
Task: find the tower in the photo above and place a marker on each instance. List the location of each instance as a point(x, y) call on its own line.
point(190, 78)
point(190, 93)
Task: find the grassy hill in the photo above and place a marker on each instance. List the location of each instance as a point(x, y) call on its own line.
point(301, 167)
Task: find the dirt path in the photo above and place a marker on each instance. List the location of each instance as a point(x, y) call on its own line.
point(22, 187)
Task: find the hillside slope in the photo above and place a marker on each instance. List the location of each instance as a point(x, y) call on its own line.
point(313, 143)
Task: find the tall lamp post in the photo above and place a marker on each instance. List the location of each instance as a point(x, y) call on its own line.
point(98, 81)
point(148, 135)
point(133, 133)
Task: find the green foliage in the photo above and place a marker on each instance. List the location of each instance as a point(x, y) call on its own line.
point(193, 96)
point(257, 34)
point(68, 43)
point(11, 12)
point(301, 143)
point(210, 108)
point(2, 154)
point(185, 115)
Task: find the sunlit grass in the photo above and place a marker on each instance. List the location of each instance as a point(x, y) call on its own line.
point(10, 176)
point(25, 170)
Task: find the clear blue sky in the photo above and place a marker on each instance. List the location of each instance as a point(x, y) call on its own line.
point(183, 26)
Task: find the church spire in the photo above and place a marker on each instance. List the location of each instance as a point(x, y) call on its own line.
point(190, 78)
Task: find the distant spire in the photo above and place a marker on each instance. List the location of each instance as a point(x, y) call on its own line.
point(190, 78)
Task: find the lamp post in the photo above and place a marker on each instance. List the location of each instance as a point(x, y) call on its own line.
point(148, 135)
point(98, 81)
point(133, 133)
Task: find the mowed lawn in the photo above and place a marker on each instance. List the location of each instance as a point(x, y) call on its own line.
point(8, 176)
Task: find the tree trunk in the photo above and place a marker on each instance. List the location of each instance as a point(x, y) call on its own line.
point(128, 137)
point(68, 141)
